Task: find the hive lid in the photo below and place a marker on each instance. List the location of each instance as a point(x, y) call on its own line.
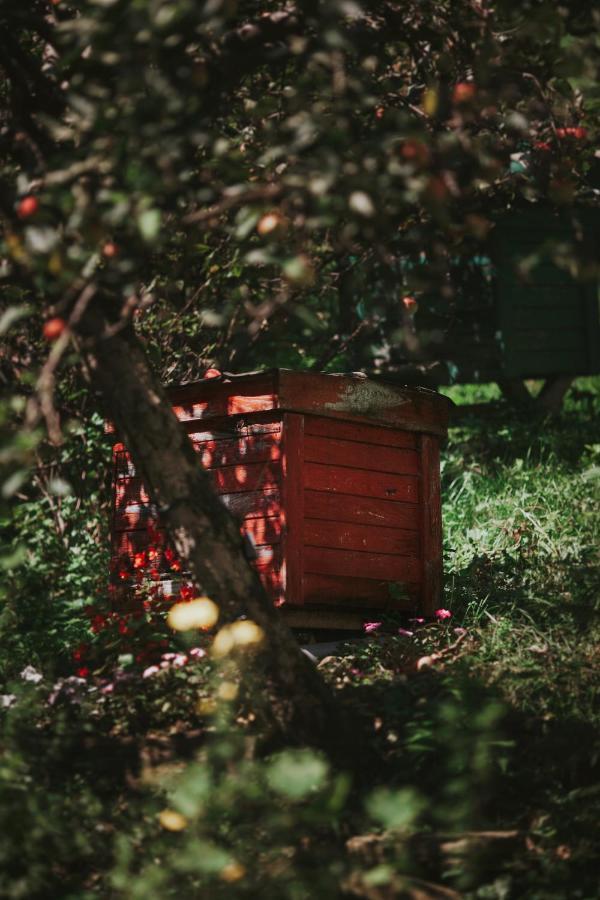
point(352, 397)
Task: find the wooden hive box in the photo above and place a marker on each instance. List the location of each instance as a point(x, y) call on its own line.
point(517, 312)
point(335, 481)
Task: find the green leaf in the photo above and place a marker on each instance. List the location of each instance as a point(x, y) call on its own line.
point(296, 773)
point(395, 809)
point(149, 223)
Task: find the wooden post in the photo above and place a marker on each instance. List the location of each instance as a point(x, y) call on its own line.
point(292, 507)
point(431, 523)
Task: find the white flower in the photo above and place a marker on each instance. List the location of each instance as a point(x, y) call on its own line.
point(31, 674)
point(7, 700)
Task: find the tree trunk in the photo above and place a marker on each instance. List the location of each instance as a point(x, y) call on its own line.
point(296, 701)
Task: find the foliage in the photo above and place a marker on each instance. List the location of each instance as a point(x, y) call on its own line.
point(250, 185)
point(498, 732)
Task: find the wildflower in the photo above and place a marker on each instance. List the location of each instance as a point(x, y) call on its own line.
point(7, 700)
point(79, 653)
point(180, 660)
point(418, 621)
point(405, 633)
point(442, 614)
point(197, 652)
point(31, 674)
point(370, 627)
point(83, 672)
point(151, 670)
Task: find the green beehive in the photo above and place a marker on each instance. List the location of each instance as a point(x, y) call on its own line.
point(528, 308)
point(547, 319)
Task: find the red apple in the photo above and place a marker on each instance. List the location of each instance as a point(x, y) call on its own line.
point(463, 92)
point(53, 328)
point(415, 151)
point(27, 207)
point(110, 250)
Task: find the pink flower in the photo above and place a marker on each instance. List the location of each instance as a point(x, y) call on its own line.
point(180, 660)
point(370, 627)
point(197, 652)
point(442, 614)
point(108, 688)
point(418, 621)
point(168, 656)
point(151, 670)
point(405, 633)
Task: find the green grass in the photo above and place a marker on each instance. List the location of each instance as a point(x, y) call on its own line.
point(500, 731)
point(504, 731)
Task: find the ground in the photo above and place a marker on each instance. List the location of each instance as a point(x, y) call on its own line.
point(486, 725)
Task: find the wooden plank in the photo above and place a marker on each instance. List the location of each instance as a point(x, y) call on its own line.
point(251, 477)
point(233, 427)
point(250, 448)
point(263, 530)
point(292, 506)
point(362, 483)
point(336, 507)
point(130, 490)
point(357, 592)
point(224, 406)
point(360, 455)
point(369, 538)
point(347, 563)
point(253, 504)
point(351, 431)
point(569, 316)
point(536, 295)
point(298, 617)
point(540, 363)
point(134, 516)
point(361, 399)
point(431, 534)
point(224, 397)
point(544, 339)
point(250, 383)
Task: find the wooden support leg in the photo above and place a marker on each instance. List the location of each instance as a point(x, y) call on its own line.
point(515, 391)
point(553, 392)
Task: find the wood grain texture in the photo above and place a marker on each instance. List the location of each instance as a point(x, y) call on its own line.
point(248, 449)
point(348, 563)
point(360, 455)
point(369, 593)
point(431, 534)
point(292, 507)
point(351, 431)
point(361, 482)
point(363, 538)
point(336, 507)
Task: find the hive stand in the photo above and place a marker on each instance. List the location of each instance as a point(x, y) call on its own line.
point(335, 482)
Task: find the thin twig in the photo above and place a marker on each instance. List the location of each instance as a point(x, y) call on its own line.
point(267, 192)
point(41, 404)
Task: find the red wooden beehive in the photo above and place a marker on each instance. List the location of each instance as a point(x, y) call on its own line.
point(335, 481)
